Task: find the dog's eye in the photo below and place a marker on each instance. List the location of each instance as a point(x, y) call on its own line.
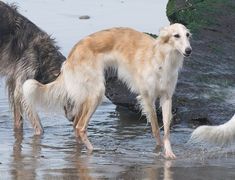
point(177, 36)
point(187, 34)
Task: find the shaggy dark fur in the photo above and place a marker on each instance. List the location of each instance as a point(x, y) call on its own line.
point(26, 52)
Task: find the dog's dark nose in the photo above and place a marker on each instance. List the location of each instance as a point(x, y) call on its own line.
point(188, 50)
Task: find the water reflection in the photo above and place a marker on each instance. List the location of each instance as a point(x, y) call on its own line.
point(35, 157)
point(125, 149)
point(25, 161)
point(168, 173)
point(17, 156)
point(78, 163)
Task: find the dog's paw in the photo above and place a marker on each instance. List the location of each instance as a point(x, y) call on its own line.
point(38, 131)
point(168, 150)
point(169, 155)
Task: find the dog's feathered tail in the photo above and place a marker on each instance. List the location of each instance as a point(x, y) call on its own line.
point(48, 96)
point(221, 135)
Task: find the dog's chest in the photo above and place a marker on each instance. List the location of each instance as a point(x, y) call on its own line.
point(166, 77)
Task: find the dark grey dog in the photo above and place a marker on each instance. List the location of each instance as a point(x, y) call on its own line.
point(26, 52)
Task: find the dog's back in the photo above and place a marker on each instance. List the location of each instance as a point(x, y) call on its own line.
point(124, 40)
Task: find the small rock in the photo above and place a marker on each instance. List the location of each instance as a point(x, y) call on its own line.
point(84, 17)
point(194, 123)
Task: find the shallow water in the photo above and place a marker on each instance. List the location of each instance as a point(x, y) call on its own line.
point(124, 149)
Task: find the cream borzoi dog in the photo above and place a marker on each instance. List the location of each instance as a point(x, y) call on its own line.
point(148, 66)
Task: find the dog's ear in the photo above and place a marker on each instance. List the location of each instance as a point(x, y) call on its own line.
point(164, 34)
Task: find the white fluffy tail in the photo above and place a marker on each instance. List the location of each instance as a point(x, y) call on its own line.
point(48, 96)
point(221, 135)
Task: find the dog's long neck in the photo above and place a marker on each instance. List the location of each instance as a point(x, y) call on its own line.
point(167, 58)
point(167, 63)
point(174, 60)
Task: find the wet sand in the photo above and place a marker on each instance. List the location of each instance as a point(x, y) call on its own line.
point(124, 149)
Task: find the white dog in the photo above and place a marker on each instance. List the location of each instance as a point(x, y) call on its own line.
point(148, 66)
point(222, 135)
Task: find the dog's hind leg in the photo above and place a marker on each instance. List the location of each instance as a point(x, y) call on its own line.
point(83, 117)
point(16, 104)
point(33, 118)
point(35, 122)
point(148, 108)
point(17, 112)
point(14, 87)
point(167, 116)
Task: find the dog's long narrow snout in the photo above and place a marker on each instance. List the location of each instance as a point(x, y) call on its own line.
point(188, 51)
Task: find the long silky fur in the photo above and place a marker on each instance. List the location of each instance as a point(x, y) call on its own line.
point(55, 96)
point(222, 135)
point(51, 96)
point(26, 52)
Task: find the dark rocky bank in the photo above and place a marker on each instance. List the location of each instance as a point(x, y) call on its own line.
point(206, 80)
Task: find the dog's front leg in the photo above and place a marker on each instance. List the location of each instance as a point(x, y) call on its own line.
point(148, 108)
point(167, 115)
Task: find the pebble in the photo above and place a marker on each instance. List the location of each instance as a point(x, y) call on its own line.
point(84, 17)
